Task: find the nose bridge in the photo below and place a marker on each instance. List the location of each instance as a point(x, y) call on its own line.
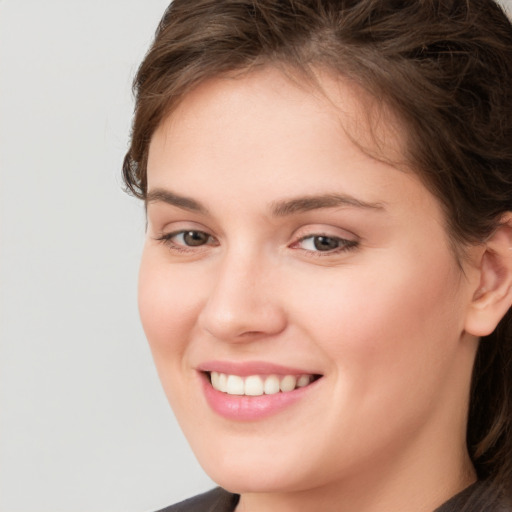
point(242, 301)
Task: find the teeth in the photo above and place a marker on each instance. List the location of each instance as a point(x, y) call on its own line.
point(214, 376)
point(256, 385)
point(288, 383)
point(253, 386)
point(271, 386)
point(235, 385)
point(303, 380)
point(219, 381)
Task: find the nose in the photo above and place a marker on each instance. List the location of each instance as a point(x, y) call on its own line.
point(243, 302)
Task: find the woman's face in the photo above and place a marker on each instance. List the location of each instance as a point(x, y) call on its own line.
point(279, 255)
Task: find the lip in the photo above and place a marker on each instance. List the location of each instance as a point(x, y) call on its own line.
point(252, 368)
point(251, 408)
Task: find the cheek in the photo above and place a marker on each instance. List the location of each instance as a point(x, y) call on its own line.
point(168, 302)
point(384, 327)
point(390, 339)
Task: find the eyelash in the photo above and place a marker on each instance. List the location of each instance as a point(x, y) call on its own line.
point(166, 239)
point(344, 245)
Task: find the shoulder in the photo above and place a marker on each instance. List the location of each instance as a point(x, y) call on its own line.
point(216, 500)
point(481, 497)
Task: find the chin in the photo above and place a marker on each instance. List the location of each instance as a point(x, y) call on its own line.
point(260, 469)
point(256, 479)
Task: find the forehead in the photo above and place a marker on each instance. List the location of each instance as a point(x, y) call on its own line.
point(321, 95)
point(261, 138)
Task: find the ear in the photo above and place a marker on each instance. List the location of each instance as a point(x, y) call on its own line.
point(493, 297)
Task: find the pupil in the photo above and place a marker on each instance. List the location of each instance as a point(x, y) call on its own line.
point(195, 238)
point(325, 243)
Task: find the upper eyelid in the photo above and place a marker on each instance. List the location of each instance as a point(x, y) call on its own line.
point(161, 228)
point(170, 234)
point(347, 241)
point(299, 234)
point(296, 236)
point(166, 239)
point(327, 233)
point(325, 230)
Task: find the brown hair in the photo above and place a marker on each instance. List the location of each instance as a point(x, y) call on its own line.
point(443, 66)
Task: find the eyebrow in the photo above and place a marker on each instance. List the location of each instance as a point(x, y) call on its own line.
point(278, 208)
point(308, 203)
point(166, 196)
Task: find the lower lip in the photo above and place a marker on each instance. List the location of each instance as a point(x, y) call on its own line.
point(251, 408)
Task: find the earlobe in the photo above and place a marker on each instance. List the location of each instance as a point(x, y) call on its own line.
point(493, 297)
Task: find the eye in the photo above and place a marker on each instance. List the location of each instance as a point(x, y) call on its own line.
point(185, 239)
point(324, 243)
point(191, 238)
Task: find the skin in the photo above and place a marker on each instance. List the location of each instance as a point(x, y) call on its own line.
point(382, 317)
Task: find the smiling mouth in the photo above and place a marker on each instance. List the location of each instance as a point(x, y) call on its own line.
point(258, 385)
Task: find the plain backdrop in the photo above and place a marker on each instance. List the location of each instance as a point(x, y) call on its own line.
point(84, 425)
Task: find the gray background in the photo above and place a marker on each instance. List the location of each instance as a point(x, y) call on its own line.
point(84, 425)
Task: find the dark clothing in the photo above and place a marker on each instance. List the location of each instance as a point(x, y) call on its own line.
point(476, 498)
point(479, 497)
point(216, 500)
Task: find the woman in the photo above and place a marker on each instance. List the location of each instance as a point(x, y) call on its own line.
point(327, 274)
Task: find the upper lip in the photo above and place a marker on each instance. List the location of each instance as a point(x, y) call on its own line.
point(244, 369)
